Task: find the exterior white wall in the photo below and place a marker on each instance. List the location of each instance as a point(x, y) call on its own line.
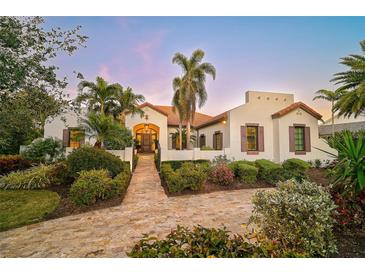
point(343, 120)
point(54, 127)
point(156, 118)
point(195, 154)
point(258, 110)
point(299, 116)
point(209, 132)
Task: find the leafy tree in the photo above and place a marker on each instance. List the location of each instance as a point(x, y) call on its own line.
point(352, 85)
point(331, 96)
point(101, 127)
point(192, 84)
point(182, 134)
point(124, 101)
point(97, 95)
point(26, 50)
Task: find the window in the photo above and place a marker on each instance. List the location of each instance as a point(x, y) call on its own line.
point(299, 139)
point(218, 141)
point(252, 140)
point(77, 137)
point(202, 141)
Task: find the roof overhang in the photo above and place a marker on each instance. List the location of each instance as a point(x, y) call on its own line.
point(295, 106)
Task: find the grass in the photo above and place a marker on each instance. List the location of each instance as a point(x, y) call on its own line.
point(22, 207)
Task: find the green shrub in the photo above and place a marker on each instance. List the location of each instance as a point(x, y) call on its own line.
point(221, 175)
point(298, 216)
point(9, 163)
point(88, 158)
point(45, 150)
point(34, 178)
point(201, 242)
point(189, 176)
point(245, 173)
point(206, 148)
point(90, 186)
point(178, 164)
point(295, 169)
point(119, 184)
point(124, 139)
point(269, 171)
point(135, 161)
point(317, 163)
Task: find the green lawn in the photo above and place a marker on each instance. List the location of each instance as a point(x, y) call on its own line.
point(21, 207)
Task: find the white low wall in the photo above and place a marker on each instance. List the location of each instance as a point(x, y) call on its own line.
point(195, 154)
point(124, 155)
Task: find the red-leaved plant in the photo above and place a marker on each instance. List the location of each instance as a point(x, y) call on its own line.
point(221, 174)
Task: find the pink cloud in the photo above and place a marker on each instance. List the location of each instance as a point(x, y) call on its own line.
point(104, 72)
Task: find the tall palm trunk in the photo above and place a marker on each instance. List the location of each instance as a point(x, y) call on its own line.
point(333, 120)
point(180, 136)
point(188, 144)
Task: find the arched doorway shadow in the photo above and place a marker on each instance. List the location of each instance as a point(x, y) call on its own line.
point(146, 136)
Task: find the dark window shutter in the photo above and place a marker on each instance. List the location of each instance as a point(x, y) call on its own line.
point(66, 137)
point(82, 137)
point(307, 139)
point(291, 140)
point(214, 141)
point(173, 142)
point(243, 139)
point(261, 144)
point(221, 136)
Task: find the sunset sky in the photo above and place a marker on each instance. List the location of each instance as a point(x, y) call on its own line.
point(283, 54)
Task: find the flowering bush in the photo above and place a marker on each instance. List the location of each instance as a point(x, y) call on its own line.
point(221, 174)
point(298, 216)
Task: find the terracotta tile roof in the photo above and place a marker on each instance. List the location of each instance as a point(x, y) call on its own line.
point(213, 120)
point(293, 107)
point(173, 118)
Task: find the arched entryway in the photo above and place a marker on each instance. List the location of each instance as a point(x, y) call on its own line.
point(146, 136)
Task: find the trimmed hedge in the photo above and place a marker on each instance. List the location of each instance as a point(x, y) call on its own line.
point(9, 163)
point(178, 164)
point(269, 171)
point(88, 158)
point(34, 178)
point(245, 173)
point(189, 176)
point(295, 169)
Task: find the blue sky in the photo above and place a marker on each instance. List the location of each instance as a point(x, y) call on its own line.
point(284, 54)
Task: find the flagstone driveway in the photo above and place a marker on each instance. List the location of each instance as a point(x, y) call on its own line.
point(112, 232)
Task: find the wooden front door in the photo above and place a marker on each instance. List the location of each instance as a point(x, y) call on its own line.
point(146, 145)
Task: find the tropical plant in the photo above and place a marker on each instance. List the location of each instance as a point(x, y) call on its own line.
point(9, 163)
point(45, 150)
point(178, 105)
point(330, 96)
point(352, 85)
point(182, 134)
point(349, 172)
point(191, 86)
point(124, 101)
point(98, 96)
point(102, 127)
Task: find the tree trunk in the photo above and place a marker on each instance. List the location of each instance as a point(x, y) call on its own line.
point(180, 136)
point(333, 120)
point(188, 143)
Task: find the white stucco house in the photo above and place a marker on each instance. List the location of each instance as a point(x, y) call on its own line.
point(342, 123)
point(267, 126)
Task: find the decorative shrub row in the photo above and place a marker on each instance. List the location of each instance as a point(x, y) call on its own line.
point(298, 216)
point(269, 171)
point(245, 171)
point(189, 176)
point(178, 164)
point(9, 163)
point(88, 158)
point(34, 178)
point(93, 185)
point(295, 169)
point(201, 242)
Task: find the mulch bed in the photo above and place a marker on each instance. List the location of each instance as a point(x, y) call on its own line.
point(209, 187)
point(318, 175)
point(66, 207)
point(350, 244)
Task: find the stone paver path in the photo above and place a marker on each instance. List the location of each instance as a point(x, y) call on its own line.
point(111, 232)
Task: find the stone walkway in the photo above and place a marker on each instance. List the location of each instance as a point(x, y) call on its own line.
point(111, 232)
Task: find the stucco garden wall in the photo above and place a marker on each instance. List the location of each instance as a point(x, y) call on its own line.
point(209, 132)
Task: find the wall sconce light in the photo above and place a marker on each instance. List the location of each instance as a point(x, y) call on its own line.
point(224, 122)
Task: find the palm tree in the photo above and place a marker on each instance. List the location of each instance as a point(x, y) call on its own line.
point(178, 105)
point(97, 95)
point(101, 127)
point(192, 84)
point(124, 101)
point(330, 96)
point(352, 85)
